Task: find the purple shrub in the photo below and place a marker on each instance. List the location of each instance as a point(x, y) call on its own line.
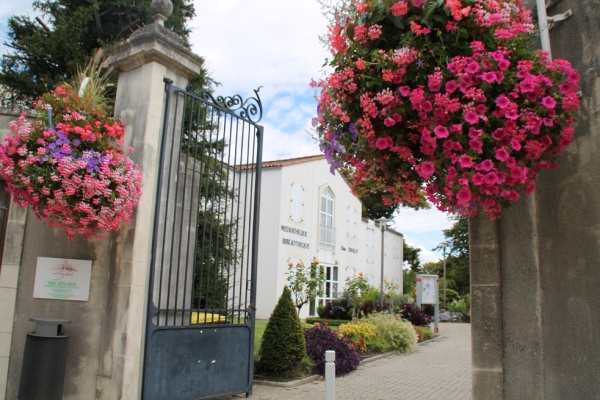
point(412, 313)
point(319, 338)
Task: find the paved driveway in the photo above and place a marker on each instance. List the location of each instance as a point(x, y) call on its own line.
point(437, 370)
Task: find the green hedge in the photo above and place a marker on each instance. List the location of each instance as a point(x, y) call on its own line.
point(330, 322)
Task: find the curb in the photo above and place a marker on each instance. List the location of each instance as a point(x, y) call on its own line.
point(288, 384)
point(312, 378)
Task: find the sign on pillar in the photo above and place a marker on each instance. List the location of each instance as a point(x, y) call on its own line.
point(428, 293)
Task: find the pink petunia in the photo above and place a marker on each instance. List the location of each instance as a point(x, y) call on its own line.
point(463, 197)
point(384, 142)
point(389, 122)
point(502, 101)
point(487, 165)
point(549, 102)
point(502, 154)
point(489, 77)
point(405, 91)
point(441, 131)
point(513, 195)
point(473, 67)
point(451, 86)
point(491, 178)
point(476, 145)
point(426, 169)
point(465, 161)
point(478, 179)
point(471, 117)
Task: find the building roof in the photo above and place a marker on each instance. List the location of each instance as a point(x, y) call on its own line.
point(282, 163)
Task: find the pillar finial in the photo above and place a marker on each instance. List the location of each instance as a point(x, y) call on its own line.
point(161, 10)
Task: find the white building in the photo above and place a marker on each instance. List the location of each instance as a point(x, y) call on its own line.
point(307, 212)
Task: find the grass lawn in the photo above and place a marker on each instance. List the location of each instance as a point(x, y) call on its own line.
point(259, 329)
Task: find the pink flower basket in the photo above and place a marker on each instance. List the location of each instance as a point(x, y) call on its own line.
point(443, 100)
point(74, 175)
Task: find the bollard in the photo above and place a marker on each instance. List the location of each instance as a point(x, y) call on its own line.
point(330, 375)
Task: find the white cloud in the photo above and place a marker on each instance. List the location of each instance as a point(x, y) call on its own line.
point(9, 9)
point(274, 44)
point(423, 229)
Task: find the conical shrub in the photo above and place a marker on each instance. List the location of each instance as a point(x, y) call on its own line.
point(283, 348)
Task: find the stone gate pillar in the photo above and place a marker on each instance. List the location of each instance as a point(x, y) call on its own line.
point(149, 55)
point(535, 273)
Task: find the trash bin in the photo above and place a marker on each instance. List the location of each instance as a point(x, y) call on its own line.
point(44, 360)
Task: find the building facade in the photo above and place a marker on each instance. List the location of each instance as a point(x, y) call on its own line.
point(306, 213)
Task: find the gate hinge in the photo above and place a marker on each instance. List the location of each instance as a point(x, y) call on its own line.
point(558, 17)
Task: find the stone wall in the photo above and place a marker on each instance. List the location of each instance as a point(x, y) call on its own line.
point(534, 272)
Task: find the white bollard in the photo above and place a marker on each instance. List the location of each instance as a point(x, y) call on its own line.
point(330, 375)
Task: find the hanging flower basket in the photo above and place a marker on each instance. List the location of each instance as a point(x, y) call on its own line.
point(443, 99)
point(73, 174)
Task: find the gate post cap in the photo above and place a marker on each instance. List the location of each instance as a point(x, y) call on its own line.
point(48, 327)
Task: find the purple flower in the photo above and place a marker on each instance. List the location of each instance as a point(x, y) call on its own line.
point(352, 129)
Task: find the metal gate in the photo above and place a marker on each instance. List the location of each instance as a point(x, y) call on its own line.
point(200, 326)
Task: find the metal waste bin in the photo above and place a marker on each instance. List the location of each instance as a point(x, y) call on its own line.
point(44, 360)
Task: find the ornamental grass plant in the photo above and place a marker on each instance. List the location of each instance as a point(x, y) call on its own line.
point(398, 335)
point(443, 99)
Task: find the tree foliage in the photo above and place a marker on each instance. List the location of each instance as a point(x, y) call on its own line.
point(305, 283)
point(457, 264)
point(411, 256)
point(47, 50)
point(376, 203)
point(283, 347)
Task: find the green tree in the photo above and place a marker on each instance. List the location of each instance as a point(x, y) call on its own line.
point(283, 348)
point(376, 202)
point(412, 260)
point(216, 251)
point(355, 289)
point(305, 283)
point(457, 264)
point(47, 50)
point(412, 256)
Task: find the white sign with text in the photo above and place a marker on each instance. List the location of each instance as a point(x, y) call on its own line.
point(62, 279)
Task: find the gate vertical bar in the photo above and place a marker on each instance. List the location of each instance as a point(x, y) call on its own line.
point(253, 276)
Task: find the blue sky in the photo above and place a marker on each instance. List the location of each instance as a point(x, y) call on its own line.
point(274, 44)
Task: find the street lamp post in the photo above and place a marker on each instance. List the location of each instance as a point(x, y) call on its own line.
point(382, 224)
point(444, 245)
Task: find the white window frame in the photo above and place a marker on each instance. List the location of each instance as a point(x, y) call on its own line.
point(297, 205)
point(351, 222)
point(327, 218)
point(370, 245)
point(331, 286)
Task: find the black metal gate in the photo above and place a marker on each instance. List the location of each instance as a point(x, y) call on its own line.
point(200, 326)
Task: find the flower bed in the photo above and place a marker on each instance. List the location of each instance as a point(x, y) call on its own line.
point(443, 99)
